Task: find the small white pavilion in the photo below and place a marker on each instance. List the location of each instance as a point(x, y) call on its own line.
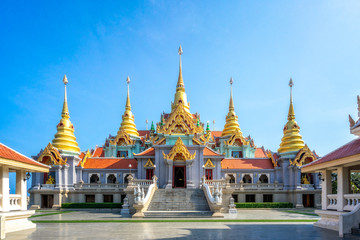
point(341, 208)
point(13, 207)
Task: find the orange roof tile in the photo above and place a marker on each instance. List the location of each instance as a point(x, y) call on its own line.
point(253, 163)
point(110, 163)
point(144, 132)
point(8, 153)
point(260, 153)
point(210, 152)
point(216, 133)
point(98, 152)
point(147, 152)
point(82, 155)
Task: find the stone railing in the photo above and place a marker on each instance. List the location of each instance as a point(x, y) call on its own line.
point(332, 198)
point(260, 186)
point(351, 201)
point(141, 182)
point(47, 186)
point(307, 186)
point(99, 185)
point(212, 183)
point(15, 202)
point(143, 200)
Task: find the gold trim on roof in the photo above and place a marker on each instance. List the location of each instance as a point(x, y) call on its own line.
point(209, 164)
point(301, 157)
point(180, 122)
point(53, 154)
point(149, 163)
point(87, 155)
point(270, 155)
point(179, 152)
point(122, 139)
point(237, 135)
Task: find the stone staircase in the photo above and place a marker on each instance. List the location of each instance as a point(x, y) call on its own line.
point(178, 203)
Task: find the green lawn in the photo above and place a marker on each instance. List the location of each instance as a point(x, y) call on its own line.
point(173, 220)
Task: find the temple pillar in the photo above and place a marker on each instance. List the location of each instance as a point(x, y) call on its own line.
point(326, 188)
point(4, 191)
point(21, 188)
point(343, 179)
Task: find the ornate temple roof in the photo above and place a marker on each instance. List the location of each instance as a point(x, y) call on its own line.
point(65, 138)
point(241, 163)
point(210, 152)
point(292, 140)
point(147, 152)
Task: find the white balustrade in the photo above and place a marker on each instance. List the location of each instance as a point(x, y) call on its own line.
point(220, 182)
point(47, 186)
point(332, 198)
point(141, 182)
point(99, 185)
point(307, 186)
point(351, 201)
point(15, 202)
point(260, 186)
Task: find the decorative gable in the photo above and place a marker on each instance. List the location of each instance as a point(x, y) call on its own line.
point(236, 139)
point(51, 156)
point(179, 152)
point(149, 164)
point(122, 139)
point(304, 156)
point(209, 164)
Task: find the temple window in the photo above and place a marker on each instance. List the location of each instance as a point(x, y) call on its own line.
point(250, 198)
point(94, 178)
point(108, 198)
point(267, 198)
point(237, 154)
point(90, 198)
point(306, 178)
point(208, 174)
point(111, 178)
point(247, 178)
point(122, 154)
point(232, 178)
point(263, 178)
point(149, 173)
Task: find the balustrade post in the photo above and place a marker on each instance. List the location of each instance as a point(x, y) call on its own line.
point(343, 182)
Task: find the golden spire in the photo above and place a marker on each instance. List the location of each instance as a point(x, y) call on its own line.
point(180, 95)
point(128, 120)
point(64, 138)
point(292, 140)
point(231, 124)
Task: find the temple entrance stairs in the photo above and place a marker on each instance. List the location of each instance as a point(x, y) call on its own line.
point(178, 203)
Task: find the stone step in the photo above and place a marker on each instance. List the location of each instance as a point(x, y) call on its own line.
point(177, 214)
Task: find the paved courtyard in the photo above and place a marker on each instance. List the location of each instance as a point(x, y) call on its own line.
point(175, 230)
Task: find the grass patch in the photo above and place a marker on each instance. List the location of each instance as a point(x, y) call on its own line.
point(264, 205)
point(48, 214)
point(91, 205)
point(173, 220)
point(300, 212)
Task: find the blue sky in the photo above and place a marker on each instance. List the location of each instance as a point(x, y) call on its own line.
point(261, 44)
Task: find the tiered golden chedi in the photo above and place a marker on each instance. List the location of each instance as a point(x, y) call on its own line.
point(292, 140)
point(231, 124)
point(128, 119)
point(64, 138)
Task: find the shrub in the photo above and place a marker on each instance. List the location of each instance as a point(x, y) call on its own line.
point(91, 205)
point(265, 205)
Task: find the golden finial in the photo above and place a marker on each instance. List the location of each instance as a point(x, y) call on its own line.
point(231, 104)
point(180, 83)
point(128, 120)
point(291, 114)
point(65, 139)
point(128, 105)
point(65, 110)
point(231, 124)
point(292, 140)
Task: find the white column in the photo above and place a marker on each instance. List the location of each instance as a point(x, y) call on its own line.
point(4, 179)
point(326, 188)
point(21, 188)
point(342, 186)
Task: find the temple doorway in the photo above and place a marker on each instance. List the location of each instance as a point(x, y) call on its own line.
point(179, 177)
point(47, 201)
point(308, 200)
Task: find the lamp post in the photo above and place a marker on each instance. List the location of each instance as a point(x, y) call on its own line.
point(203, 166)
point(27, 176)
point(130, 167)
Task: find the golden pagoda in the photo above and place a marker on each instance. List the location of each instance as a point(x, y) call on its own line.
point(231, 124)
point(65, 139)
point(292, 140)
point(180, 95)
point(128, 119)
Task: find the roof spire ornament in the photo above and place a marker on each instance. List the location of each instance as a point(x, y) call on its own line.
point(180, 95)
point(292, 140)
point(65, 139)
point(128, 119)
point(231, 125)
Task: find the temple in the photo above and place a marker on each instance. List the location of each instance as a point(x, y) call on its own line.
point(178, 155)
